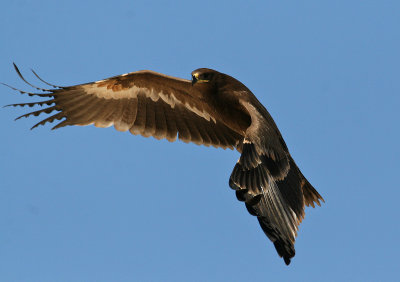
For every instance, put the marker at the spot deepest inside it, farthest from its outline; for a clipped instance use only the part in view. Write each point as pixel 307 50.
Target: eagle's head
pixel 203 75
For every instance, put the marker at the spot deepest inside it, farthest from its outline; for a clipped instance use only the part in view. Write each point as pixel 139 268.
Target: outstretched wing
pixel 269 182
pixel 143 102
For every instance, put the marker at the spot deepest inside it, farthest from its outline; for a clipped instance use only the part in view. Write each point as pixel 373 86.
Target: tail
pixel 311 196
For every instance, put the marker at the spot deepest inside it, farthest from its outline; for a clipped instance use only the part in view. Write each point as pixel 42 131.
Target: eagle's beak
pixel 194 79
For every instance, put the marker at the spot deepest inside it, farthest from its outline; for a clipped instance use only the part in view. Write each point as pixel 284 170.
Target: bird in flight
pixel 211 109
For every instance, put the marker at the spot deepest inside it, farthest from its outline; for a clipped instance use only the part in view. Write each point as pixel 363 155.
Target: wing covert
pixel 145 103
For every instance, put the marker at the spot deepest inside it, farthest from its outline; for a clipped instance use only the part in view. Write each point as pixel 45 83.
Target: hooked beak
pixel 194 79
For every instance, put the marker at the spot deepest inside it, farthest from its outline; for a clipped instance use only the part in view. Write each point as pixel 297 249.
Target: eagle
pixel 211 109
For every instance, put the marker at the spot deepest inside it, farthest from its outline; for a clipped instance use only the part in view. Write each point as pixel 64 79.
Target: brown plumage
pixel 212 109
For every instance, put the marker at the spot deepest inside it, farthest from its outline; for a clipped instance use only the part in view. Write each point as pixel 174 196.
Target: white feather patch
pixel 133 91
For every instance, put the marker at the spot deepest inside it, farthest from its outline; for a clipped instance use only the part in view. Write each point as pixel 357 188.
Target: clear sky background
pixel 90 204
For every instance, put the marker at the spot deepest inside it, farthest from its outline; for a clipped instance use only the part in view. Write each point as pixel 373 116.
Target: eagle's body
pixel 212 109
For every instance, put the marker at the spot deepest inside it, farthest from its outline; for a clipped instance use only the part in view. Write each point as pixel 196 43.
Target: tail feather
pixel 311 195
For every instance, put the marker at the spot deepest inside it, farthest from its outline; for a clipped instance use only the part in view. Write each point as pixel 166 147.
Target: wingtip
pixel 287 260
pixel 16 68
pixel 17 118
pixel 5 84
pixel 42 80
pixel 36 125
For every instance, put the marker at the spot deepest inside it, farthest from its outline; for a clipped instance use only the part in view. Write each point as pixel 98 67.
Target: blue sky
pixel 89 204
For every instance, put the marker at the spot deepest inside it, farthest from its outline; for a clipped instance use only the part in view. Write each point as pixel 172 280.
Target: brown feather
pixel 140 121
pixel 170 119
pixel 150 125
pixel 160 121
